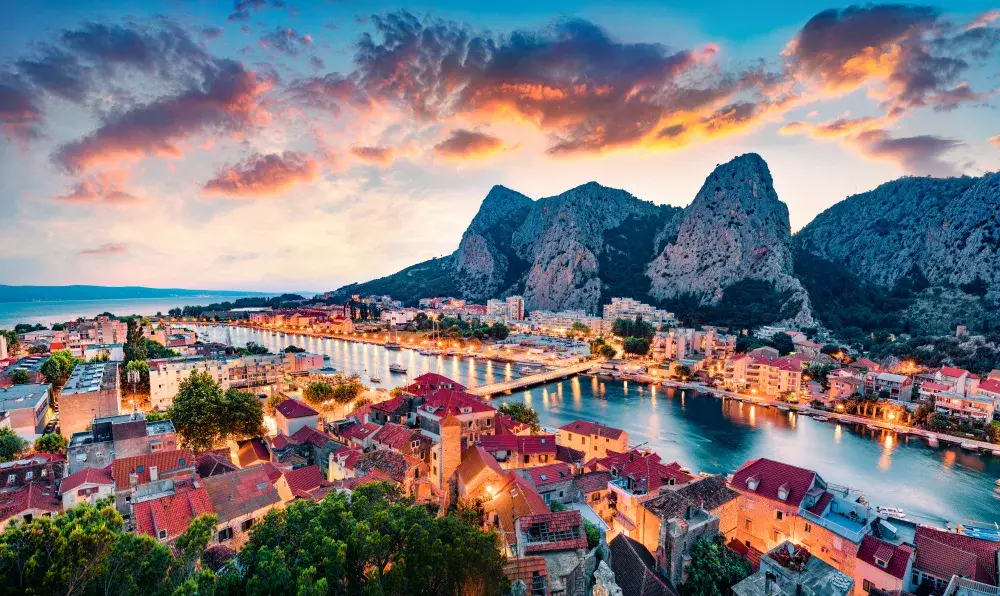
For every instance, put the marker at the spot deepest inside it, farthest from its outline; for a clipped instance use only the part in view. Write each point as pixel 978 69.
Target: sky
pixel 284 145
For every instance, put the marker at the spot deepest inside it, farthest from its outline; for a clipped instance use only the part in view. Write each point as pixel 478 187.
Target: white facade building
pixel 627 308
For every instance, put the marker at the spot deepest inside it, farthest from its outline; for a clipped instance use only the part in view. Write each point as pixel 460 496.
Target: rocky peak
pixel 735 229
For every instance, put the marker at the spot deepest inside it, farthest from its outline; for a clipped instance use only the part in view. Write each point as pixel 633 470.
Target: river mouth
pixel 933 485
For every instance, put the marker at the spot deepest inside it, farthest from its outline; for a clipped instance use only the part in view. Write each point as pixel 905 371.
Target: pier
pixel 530 380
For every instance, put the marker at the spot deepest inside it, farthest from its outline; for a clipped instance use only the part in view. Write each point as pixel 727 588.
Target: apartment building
pixel 627 308
pixel 763 374
pixel 92 391
pixel 24 407
pixel 238 372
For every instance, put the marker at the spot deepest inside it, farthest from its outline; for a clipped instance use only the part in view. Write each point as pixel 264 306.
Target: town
pixel 178 434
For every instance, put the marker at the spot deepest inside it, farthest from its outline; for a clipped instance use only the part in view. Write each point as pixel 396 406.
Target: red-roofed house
pixel 89 485
pixel 291 415
pixel 479 475
pixel 430 382
pixel 990 389
pixel 240 499
pixel 35 499
pixel 883 565
pixel 636 477
pixel 131 473
pixel 941 555
pixel 475 416
pixel 358 434
pixel 403 439
pixel 530 570
pixel 301 483
pixel 785 502
pixel 593 438
pixel 957 379
pixel 560 539
pixel 553 482
pixel 521 451
pixel 343 462
pixel 168 517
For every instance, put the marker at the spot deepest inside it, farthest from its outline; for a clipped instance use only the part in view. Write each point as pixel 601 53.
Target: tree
pixel 636 345
pixel 580 328
pixel 293 350
pixel 50 443
pixel 11 445
pixel 499 331
pixel 607 351
pixel 633 328
pixel 135 341
pixel 683 371
pixel 829 349
pixel 12 340
pixel 19 377
pixel 714 569
pixel 345 393
pixel 255 349
pixel 521 412
pixel 783 343
pixel 59 367
pixel 373 542
pixel 156 350
pixel 205 416
pixel 318 392
pixel 28 328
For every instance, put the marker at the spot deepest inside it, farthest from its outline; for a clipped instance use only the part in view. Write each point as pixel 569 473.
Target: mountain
pixel 735 230
pixel 926 251
pixel 83 292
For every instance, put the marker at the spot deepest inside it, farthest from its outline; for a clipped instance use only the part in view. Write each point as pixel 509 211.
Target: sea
pixel 60 311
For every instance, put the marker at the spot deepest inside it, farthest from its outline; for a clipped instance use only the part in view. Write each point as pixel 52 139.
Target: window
pixel 11 478
pixel 867 586
pixel 779 515
pixel 181 461
pixel 748 525
pixel 776 535
pixel 163 534
pixel 225 534
pixel 247 524
pixel 29 475
pixel 583 440
pixel 595 497
pixel 138 469
pixel 808 527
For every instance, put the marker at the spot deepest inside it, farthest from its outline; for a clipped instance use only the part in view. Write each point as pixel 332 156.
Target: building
pixel 553 482
pixel 635 569
pixel 240 499
pixel 302 361
pixel 546 321
pixel 627 308
pixel 990 389
pixel 92 391
pixel 941 555
pixel 291 415
pixel 559 538
pixel 139 476
pixel 899 387
pixel 109 352
pixel 446 455
pixel 791 569
pixel 166 375
pixel 593 438
pixel 34 499
pixel 125 435
pixel 515 308
pixel 958 380
pixel 883 565
pixel 167 517
pixel 783 502
pixel 762 374
pixel 476 418
pixel 24 408
pixel 521 451
pixel 89 485
pixel 3 347
pixel 970 407
pixel 32 365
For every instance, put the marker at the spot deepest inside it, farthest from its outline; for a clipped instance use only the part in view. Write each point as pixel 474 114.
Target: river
pixel 704 433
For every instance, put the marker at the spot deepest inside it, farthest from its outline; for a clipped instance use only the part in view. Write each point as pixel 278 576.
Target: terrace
pixel 841 514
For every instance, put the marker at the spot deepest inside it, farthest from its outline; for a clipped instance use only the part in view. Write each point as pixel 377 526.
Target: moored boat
pixel 395 367
pixel 891 512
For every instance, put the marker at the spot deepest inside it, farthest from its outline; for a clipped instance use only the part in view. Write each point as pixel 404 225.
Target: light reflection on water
pixel 711 435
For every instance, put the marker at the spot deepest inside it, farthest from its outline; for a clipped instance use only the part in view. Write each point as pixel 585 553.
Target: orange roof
pixel 165 462
pixel 171 514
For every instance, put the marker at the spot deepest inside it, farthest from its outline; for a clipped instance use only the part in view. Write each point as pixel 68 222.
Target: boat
pixel 783 407
pixel 891 512
pixel 395 367
pixel 821 418
pixel 375 377
pixel 391 345
pixel 983 532
pixel 528 370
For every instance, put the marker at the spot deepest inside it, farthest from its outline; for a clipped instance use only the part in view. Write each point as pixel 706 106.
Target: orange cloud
pixel 374 154
pixel 104 250
pixel 102 187
pixel 464 144
pixel 263 175
pixel 996 141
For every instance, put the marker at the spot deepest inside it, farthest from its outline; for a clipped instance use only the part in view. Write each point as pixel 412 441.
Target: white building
pixel 166 375
pixel 627 308
pixel 114 352
pixel 562 321
pixel 3 347
pixel 496 308
pixel 515 308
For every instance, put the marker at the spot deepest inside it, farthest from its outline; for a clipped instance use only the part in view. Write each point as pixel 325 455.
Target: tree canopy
pixel 59 367
pixel 633 328
pixel 714 569
pixel 636 345
pixel 50 443
pixel 205 416
pixel 11 445
pixel 373 542
pixel 521 412
pixel 19 377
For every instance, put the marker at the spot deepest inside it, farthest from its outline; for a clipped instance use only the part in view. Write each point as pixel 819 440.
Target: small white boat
pixel 891 512
pixel 395 367
pixel 391 345
pixel 783 407
pixel 985 532
pixel 821 418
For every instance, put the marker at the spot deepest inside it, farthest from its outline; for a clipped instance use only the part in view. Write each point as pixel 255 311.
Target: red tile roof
pixel 252 451
pixel 395 436
pixel 772 475
pixel 635 569
pixel 359 432
pixel 520 443
pixel 99 476
pixel 527 569
pixel 991 385
pixel 375 475
pixel 390 406
pixel 505 425
pixel 545 532
pixel 430 382
pixel 593 481
pixel 943 554
pixel 747 552
pixel 894 557
pixel 445 401
pixel 645 470
pixel 550 474
pixel 172 513
pixel 348 456
pixel 302 481
pixel 293 408
pixel 820 507
pixel 952 371
pixel 240 493
pixel 932 386
pixel 165 462
pixel 32 496
pixel 586 427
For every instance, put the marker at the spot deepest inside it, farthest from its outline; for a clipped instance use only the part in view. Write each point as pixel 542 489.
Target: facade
pixel 25 406
pixel 593 439
pixel 941 555
pixel 521 451
pixel 900 387
pixel 291 415
pixel 515 308
pixel 562 321
pixel 553 482
pixel 627 308
pixel 970 407
pixel 86 486
pixel 883 565
pixel 92 391
pixel 125 435
pixel 240 499
pixel 762 374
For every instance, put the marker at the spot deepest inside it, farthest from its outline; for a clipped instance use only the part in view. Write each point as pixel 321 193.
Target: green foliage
pixel 28 328
pixel 830 349
pixel 746 304
pixel 248 302
pixel 20 377
pixel 599 347
pixel 87 550
pixel 628 249
pixel 318 392
pixel 683 371
pixel 155 350
pixel 499 331
pixel 580 328
pixel 50 443
pixel 205 416
pixel 294 350
pixel 251 349
pixel 783 343
pixel 157 416
pixel 993 432
pixel 435 277
pixel 593 534
pixel 976 287
pixel 11 445
pixel 633 328
pixel 59 367
pixel 521 412
pixel 636 345
pixel 58 327
pixel 12 340
pixel 138 369
pixel 135 342
pixel 714 569
pixel 374 542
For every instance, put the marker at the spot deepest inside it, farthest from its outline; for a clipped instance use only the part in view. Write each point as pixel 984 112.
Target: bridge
pixel 530 380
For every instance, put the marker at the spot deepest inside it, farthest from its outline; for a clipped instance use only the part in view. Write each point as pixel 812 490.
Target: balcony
pixel 960 586
pixel 842 525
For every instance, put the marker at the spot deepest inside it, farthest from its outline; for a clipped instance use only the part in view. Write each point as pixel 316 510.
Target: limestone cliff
pixel 736 229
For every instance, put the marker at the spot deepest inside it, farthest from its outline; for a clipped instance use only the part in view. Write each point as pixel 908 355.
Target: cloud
pixel 996 141
pixel 102 187
pixel 262 175
pixel 104 250
pixel 285 40
pixel 226 100
pixel 244 9
pixel 211 33
pixel 572 80
pixel 19 114
pixel 374 154
pixel 468 144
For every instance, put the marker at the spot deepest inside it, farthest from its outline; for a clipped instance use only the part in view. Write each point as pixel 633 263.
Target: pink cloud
pixel 104 250
pixel 263 175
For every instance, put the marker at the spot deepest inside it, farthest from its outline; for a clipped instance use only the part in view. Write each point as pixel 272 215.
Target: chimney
pixel 133 479
pixel 769 578
pixel 153 474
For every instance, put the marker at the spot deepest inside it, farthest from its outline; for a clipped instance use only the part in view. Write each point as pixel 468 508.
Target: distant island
pixel 81 292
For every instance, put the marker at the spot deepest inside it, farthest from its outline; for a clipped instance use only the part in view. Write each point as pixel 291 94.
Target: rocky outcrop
pixel 944 229
pixel 604 581
pixel 735 229
pixel 485 265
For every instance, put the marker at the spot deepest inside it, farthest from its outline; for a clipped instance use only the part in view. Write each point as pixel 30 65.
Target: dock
pixel 541 378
